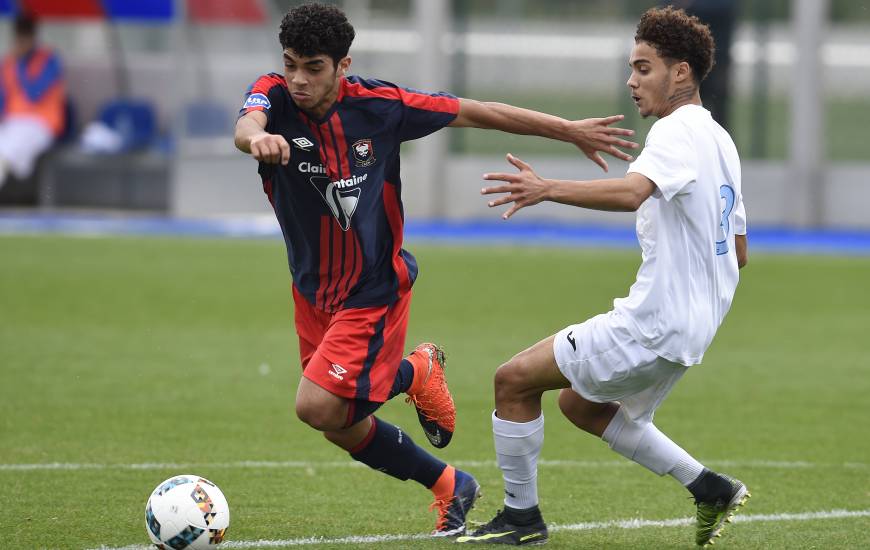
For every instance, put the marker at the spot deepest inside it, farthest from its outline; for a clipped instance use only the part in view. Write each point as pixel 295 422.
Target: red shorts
pixel 353 353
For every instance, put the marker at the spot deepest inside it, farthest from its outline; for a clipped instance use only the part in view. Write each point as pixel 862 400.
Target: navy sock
pixel 404 377
pixel 361 408
pixel 390 450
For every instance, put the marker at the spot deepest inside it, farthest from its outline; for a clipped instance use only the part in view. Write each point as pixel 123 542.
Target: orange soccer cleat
pixel 430 395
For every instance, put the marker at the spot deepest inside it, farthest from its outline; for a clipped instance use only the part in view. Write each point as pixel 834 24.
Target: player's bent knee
pixel 511 380
pixel 319 416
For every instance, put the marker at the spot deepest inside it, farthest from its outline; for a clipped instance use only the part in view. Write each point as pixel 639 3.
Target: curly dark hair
pixel 315 29
pixel 679 36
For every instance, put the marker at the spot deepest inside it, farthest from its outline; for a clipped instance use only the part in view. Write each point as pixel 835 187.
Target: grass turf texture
pixel 121 351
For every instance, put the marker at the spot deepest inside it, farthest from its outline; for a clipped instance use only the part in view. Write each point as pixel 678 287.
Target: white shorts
pixel 22 140
pixel 604 364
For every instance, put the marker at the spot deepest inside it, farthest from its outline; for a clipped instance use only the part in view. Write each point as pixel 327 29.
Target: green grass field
pixel 125 361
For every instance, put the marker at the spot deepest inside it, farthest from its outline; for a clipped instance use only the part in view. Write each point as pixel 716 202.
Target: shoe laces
pixel 431 402
pixel 443 506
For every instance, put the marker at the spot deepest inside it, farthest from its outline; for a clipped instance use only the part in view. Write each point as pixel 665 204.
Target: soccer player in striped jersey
pixel 328 146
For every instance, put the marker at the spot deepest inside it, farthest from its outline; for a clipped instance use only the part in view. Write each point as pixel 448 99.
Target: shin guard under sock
pixel 388 449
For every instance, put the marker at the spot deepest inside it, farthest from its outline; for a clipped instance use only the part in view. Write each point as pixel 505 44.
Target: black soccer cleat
pixel 715 510
pixel 507 528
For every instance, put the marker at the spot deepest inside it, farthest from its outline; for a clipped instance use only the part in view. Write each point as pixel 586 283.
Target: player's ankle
pixel 709 486
pixel 420 364
pixel 524 516
pixel 444 486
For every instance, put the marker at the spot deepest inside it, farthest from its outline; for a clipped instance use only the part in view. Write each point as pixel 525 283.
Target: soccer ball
pixel 187 512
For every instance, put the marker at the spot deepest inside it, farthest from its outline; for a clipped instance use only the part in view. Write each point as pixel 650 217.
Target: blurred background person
pixel 32 97
pixel 720 16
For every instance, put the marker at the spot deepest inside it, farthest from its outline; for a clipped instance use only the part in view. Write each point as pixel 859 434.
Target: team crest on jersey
pixel 363 152
pixel 257 100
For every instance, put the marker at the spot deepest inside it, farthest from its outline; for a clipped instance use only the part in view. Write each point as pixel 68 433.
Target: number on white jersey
pixel 727 194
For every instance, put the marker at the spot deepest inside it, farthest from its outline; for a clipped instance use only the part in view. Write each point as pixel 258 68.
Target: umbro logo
pixel 336 371
pixel 571 340
pixel 303 143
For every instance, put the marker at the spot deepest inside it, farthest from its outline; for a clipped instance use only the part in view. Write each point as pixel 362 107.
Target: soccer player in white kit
pixel 614 370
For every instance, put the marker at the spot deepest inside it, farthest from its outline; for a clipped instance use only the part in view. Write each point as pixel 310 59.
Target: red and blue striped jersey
pixel 339 200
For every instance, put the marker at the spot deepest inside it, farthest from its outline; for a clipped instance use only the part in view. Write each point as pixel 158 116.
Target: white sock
pixel 643 443
pixel 687 470
pixel 517 446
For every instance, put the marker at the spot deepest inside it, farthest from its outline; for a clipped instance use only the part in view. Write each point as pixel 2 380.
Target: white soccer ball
pixel 187 512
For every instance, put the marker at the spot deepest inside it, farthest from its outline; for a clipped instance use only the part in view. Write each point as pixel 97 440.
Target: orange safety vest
pixel 49 108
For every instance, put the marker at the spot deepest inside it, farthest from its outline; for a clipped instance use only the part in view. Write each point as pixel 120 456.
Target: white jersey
pixel 686 232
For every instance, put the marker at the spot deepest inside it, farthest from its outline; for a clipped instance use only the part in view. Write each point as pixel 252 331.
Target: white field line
pixel 312 465
pixel 586 526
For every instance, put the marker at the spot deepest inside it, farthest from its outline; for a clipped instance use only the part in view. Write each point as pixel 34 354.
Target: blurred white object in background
pixel 98 137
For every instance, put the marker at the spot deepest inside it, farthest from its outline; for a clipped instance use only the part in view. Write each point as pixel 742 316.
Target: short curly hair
pixel 314 29
pixel 679 36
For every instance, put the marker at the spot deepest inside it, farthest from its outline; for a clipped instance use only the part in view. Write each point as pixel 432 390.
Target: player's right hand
pixel 270 148
pixel 524 188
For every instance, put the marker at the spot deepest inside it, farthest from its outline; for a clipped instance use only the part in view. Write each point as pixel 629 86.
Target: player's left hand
pixel 595 136
pixel 525 188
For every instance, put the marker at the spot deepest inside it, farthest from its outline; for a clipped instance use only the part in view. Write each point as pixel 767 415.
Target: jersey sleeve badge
pixel 257 100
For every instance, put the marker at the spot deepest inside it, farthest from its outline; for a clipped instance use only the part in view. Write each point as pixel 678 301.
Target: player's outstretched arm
pixel 251 137
pixel 526 188
pixel 592 135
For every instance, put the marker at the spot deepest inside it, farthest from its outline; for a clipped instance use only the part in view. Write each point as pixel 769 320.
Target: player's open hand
pixel 524 188
pixel 596 135
pixel 270 148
